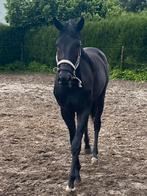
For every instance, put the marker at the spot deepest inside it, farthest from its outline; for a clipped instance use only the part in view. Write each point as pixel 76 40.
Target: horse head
pixel 68 47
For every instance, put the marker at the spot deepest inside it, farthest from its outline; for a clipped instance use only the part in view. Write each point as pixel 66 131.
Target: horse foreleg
pixel 76 147
pixel 69 118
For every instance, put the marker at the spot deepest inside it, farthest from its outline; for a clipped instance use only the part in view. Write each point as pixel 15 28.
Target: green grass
pixel 140 74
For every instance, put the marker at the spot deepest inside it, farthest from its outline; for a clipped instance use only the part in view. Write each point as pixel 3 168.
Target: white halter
pixel 72 65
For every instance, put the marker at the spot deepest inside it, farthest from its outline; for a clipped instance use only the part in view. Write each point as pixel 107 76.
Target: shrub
pixel 16 66
pixel 37 67
pixel 129 74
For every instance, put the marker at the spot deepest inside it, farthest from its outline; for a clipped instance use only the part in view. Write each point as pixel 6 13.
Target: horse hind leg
pixel 86 140
pixel 96 116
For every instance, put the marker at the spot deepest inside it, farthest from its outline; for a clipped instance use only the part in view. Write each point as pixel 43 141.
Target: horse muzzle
pixel 65 78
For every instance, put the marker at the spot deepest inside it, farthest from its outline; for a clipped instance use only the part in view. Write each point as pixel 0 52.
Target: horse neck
pixel 83 61
pixel 85 57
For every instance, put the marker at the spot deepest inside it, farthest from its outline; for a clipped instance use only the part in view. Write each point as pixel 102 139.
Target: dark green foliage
pixel 110 35
pixel 10 42
pixel 40 45
pixel 25 13
pixel 33 13
pixel 16 66
pixel 134 5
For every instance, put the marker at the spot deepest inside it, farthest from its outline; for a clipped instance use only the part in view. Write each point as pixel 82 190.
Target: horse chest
pixel 74 98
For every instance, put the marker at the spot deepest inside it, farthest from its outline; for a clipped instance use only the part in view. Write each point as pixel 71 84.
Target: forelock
pixel 70 27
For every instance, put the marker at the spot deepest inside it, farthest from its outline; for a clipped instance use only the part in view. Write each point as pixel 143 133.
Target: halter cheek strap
pixel 72 65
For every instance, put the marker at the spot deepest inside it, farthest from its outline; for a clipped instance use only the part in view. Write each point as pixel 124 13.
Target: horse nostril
pixel 64 78
pixel 61 79
pixel 69 76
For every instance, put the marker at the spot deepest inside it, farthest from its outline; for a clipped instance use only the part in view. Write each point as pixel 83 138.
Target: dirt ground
pixel 34 144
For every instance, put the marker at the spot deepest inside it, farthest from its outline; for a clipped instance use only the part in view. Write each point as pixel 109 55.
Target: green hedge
pixel 128 31
pixel 40 45
pixel 10 42
pixel 109 35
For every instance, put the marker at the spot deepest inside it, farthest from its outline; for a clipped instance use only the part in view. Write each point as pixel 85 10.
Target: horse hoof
pixel 88 151
pixel 78 180
pixel 69 190
pixel 94 160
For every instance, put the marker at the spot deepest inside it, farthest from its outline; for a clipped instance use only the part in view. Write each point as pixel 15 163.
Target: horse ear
pixel 80 24
pixel 58 24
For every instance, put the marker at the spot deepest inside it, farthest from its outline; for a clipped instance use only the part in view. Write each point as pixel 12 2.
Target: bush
pixel 13 67
pixel 128 74
pixel 37 67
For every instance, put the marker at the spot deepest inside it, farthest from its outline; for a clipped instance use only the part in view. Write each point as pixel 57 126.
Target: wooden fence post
pixel 122 57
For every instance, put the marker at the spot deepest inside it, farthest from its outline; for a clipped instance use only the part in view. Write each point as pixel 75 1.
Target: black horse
pixel 80 87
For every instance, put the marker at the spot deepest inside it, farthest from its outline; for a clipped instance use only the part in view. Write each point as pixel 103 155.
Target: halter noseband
pixel 74 66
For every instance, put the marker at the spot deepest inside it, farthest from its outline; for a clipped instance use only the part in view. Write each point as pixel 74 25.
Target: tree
pixel 25 14
pixel 134 5
pixel 30 13
pixel 113 8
